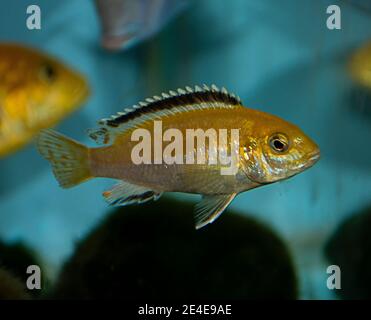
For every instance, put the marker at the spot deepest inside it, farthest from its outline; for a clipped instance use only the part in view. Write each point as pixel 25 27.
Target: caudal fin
pixel 68 158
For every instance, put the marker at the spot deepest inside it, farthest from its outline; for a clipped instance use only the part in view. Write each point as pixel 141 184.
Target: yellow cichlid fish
pixel 170 144
pixel 36 92
pixel 360 66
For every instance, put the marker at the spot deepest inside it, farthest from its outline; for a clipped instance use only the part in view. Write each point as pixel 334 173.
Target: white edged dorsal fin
pixel 164 105
pixel 125 193
pixel 211 207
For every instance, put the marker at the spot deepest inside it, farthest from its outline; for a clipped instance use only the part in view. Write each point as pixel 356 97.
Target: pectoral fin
pixel 211 207
pixel 125 193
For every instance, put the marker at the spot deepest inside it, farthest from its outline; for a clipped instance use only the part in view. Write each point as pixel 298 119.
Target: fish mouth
pixel 313 158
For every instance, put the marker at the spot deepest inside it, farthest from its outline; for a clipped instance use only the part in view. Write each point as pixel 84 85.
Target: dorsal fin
pixel 182 100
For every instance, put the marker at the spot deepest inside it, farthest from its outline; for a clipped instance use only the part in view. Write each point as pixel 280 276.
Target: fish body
pixel 179 176
pixel 36 91
pixel 360 65
pixel 126 22
pixel 182 141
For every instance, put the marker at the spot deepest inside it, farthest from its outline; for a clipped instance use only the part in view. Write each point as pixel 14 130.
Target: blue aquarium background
pixel 278 56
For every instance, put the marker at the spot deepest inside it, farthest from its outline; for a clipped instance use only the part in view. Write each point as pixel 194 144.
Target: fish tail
pixel 68 158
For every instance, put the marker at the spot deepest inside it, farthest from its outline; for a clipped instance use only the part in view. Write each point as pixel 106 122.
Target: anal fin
pixel 125 193
pixel 211 207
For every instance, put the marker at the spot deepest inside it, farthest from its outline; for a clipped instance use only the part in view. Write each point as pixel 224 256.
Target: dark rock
pixel 15 258
pixel 153 251
pixel 349 248
pixel 11 288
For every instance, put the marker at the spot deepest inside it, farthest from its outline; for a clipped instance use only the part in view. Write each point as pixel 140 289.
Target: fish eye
pixel 279 143
pixel 48 72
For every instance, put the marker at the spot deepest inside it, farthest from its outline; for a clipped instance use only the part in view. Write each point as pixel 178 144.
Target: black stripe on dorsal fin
pixel 180 98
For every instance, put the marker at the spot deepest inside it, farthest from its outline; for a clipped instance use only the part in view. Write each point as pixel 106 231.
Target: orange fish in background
pixel 36 92
pixel 268 149
pixel 360 65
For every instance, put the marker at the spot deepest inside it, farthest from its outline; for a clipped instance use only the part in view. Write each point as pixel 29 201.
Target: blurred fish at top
pixel 125 23
pixel 36 92
pixel 360 66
